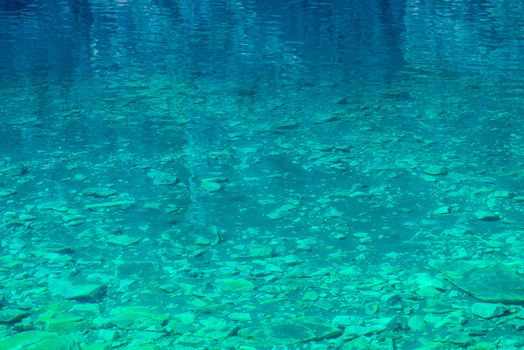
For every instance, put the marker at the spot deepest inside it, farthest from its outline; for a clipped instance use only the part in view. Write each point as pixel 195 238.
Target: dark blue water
pixel 261 174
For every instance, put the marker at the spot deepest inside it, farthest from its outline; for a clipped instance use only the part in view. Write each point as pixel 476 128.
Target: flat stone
pixel 343 321
pixel 293 260
pixel 436 170
pixel 460 340
pixel 73 219
pixel 260 251
pixel 59 206
pixel 488 310
pixel 101 192
pixel 39 340
pixel 23 120
pixel 310 296
pixel 107 205
pixel 68 290
pixel 216 329
pixel 486 281
pixel 287 125
pixel 5 192
pixel 282 211
pixel 240 316
pixel 123 240
pixel 289 332
pixel 134 317
pixel 407 163
pixel 457 231
pixel 79 177
pixel 8 316
pixel 210 185
pixel 162 178
pixel 24 339
pixel 501 194
pixel 428 286
pixel 65 323
pixel 342 101
pixel 26 217
pixel 235 284
pixel 484 215
pixel 184 317
pixel 340 236
pixel 13 170
pixel 416 323
pixel 442 210
pixel 299 330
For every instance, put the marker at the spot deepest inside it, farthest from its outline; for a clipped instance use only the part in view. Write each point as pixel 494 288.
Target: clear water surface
pixel 261 174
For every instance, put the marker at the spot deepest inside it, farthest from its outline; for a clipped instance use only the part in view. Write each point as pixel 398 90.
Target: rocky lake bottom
pixel 213 214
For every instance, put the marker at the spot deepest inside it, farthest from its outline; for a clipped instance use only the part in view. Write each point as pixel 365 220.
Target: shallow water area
pixel 261 175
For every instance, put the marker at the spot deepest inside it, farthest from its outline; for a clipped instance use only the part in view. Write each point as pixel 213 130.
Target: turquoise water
pixel 261 174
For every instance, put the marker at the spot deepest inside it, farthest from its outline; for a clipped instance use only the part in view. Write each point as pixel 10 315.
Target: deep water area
pixel 261 174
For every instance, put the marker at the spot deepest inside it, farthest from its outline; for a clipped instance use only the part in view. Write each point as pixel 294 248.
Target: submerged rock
pixel 39 340
pixel 5 192
pixel 211 185
pixel 13 170
pixel 483 215
pixel 101 192
pixel 298 330
pixel 436 170
pixel 282 211
pixel 235 284
pixel 133 317
pixel 486 281
pixel 8 316
pixel 66 323
pixel 488 310
pixel 162 178
pixel 68 290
